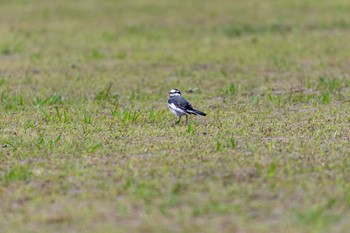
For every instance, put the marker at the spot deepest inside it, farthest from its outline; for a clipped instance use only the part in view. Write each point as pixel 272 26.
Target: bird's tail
pixel 196 112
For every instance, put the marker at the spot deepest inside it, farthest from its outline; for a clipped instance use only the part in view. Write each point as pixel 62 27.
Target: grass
pixel 88 145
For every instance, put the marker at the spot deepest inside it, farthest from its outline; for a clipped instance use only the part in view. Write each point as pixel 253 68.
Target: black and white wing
pixel 186 106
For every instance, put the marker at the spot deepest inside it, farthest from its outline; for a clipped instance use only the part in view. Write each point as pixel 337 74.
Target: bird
pixel 180 106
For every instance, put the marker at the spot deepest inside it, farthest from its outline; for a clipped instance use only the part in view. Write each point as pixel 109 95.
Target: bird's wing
pixel 183 104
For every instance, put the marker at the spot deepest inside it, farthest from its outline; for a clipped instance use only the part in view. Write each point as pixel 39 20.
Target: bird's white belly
pixel 177 111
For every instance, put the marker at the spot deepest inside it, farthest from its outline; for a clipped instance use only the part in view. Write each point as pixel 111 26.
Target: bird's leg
pixel 178 120
pixel 186 119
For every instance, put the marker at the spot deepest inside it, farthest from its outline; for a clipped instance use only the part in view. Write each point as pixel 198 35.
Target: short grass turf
pixel 88 144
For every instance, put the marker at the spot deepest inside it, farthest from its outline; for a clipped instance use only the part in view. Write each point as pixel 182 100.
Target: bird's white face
pixel 174 92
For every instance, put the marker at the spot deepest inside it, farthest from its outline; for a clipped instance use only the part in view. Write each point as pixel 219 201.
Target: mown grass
pixel 88 145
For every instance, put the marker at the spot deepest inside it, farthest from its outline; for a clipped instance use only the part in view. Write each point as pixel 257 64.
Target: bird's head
pixel 174 92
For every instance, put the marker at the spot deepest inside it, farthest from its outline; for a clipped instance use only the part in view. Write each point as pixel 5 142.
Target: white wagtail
pixel 180 106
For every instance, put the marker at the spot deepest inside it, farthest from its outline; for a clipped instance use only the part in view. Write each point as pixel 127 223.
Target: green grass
pixel 88 145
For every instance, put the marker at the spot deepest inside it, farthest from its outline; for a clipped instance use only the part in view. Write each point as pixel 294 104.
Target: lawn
pixel 89 145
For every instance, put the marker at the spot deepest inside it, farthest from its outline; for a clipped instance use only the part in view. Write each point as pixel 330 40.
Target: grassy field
pixel 88 144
